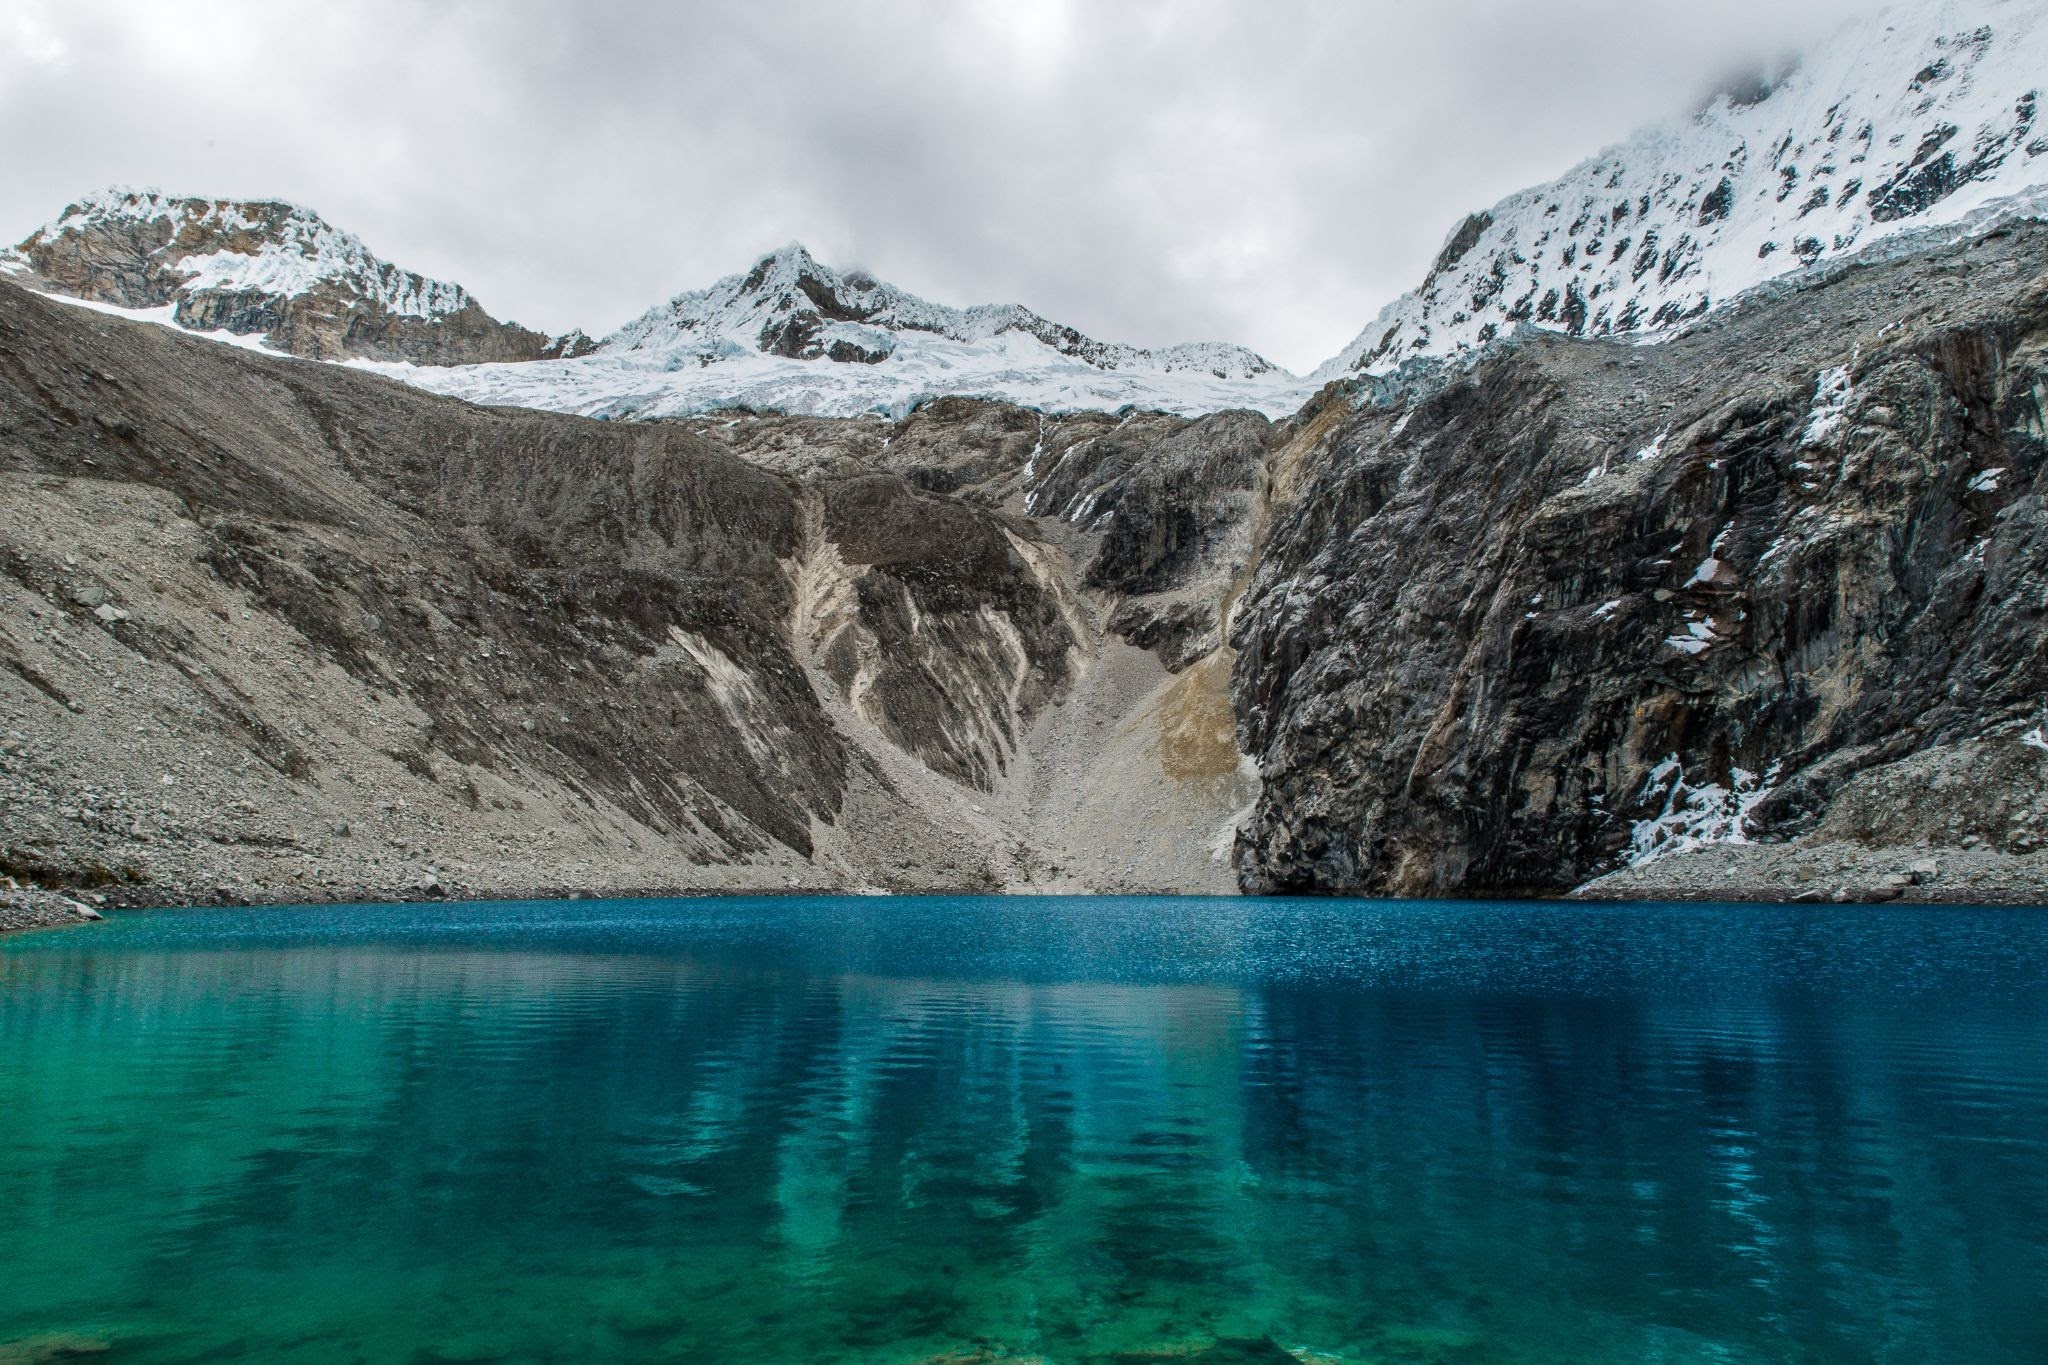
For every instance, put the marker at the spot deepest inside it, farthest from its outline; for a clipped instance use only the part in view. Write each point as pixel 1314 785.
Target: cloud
pixel 1269 172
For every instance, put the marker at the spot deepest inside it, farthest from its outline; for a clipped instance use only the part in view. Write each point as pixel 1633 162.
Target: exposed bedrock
pixel 1586 603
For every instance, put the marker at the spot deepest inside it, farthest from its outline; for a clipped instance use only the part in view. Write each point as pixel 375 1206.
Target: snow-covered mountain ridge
pixel 789 334
pixel 1921 116
pixel 263 268
pixel 793 335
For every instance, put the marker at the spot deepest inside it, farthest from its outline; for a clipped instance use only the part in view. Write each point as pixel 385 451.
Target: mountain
pixel 787 335
pixel 267 624
pixel 1923 117
pixel 1757 611
pixel 267 269
pixel 793 335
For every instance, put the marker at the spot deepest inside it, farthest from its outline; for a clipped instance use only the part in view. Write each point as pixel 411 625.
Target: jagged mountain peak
pixel 789 304
pixel 268 268
pixel 1921 116
pixel 267 245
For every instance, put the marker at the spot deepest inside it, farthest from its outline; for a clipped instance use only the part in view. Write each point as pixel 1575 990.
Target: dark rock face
pixel 1172 502
pixel 1168 512
pixel 1179 631
pixel 338 303
pixel 956 641
pixel 1586 598
pixel 1462 241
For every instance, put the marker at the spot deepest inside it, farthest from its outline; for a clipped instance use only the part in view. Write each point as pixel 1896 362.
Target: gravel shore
pixel 34 908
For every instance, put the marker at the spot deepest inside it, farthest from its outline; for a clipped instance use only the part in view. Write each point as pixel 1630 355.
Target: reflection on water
pixel 973 1130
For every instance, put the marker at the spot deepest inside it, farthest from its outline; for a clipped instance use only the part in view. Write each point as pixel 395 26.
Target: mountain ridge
pixel 794 335
pixel 787 334
pixel 268 268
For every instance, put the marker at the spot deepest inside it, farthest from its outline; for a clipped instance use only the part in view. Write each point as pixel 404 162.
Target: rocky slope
pixel 1587 607
pixel 274 628
pixel 1921 117
pixel 264 269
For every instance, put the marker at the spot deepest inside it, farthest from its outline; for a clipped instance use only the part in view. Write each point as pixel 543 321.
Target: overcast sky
pixel 1265 172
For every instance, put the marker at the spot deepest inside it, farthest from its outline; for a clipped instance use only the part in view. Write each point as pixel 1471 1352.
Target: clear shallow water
pixel 970 1129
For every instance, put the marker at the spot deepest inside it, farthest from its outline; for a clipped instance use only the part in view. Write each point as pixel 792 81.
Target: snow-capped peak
pixel 789 304
pixel 1923 115
pixel 791 334
pixel 263 246
pixel 268 268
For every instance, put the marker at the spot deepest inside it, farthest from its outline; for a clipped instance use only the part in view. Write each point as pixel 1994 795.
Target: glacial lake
pixel 964 1130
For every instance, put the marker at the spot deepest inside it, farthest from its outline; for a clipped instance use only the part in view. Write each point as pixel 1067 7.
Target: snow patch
pixel 1699 637
pixel 1830 401
pixel 1696 816
pixel 1711 565
pixel 165 316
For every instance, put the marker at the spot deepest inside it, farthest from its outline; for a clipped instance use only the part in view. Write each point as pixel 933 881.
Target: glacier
pixel 793 335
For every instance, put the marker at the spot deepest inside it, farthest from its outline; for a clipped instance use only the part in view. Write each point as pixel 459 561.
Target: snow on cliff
pixel 1926 114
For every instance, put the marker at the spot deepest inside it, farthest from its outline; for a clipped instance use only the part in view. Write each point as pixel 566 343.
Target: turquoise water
pixel 972 1130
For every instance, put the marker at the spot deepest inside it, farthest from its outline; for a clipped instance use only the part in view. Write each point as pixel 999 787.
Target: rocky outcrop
pixel 1155 511
pixel 938 629
pixel 267 269
pixel 1584 604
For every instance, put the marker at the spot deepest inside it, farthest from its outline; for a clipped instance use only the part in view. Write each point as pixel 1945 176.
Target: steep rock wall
pixel 1587 601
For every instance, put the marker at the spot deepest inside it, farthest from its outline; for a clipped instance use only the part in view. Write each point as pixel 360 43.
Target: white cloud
pixel 1268 172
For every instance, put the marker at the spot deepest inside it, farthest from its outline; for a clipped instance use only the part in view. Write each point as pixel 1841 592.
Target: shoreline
pixel 1692 879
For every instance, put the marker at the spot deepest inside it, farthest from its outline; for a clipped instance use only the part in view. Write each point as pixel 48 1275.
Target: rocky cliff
pixel 1587 607
pixel 265 269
